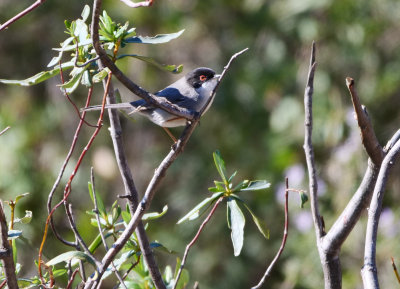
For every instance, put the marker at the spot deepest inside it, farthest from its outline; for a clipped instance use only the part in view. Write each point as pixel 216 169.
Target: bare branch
pixel 21 14
pixel 308 147
pixel 4 130
pixel 284 238
pixel 369 271
pixel 8 262
pixel 368 137
pixel 130 189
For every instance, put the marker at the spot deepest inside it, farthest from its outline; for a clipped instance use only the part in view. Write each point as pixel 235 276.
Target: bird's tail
pixel 124 105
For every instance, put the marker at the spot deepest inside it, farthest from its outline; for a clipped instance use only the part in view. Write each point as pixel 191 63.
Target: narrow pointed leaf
pixel 38 78
pixel 259 222
pixel 100 203
pixel 85 13
pixel 237 226
pixel 158 39
pixel 170 68
pixel 232 176
pixel 65 257
pixel 13 234
pixel 155 215
pixel 194 213
pixel 220 164
pixel 256 185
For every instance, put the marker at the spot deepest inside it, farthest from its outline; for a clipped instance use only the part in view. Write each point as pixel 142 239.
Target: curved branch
pixel 369 271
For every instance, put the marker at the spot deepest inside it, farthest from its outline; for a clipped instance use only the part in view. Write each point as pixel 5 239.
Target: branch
pixel 150 191
pixel 130 190
pixel 8 262
pixel 160 102
pixel 284 238
pixel 21 14
pixel 4 130
pixel 308 147
pixel 368 137
pixel 194 240
pixel 61 173
pixel 369 271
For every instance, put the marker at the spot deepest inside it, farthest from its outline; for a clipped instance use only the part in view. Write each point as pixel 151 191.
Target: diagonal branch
pixel 21 14
pixel 368 137
pixel 308 146
pixel 369 271
pixel 267 273
pixel 130 190
pixel 160 102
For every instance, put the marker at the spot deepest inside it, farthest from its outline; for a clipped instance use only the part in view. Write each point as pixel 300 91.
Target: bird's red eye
pixel 203 77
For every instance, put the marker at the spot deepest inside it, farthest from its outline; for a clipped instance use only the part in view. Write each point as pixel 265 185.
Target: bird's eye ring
pixel 203 77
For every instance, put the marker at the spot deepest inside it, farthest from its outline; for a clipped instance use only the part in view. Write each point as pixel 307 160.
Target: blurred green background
pixel 256 122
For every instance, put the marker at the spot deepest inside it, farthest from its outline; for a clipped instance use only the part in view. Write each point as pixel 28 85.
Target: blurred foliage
pixel 256 121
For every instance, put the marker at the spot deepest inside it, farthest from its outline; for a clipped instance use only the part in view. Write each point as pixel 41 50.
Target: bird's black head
pixel 200 75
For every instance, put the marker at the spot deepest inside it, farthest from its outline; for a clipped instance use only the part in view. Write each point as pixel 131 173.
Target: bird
pixel 192 92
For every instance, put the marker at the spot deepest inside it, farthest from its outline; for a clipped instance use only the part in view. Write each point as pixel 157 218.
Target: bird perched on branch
pixel 191 92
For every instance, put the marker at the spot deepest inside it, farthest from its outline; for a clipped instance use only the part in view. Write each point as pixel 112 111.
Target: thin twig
pixel 78 236
pixel 4 130
pixel 21 14
pixel 194 240
pixel 308 146
pixel 395 271
pixel 67 189
pixel 369 271
pixel 138 4
pixel 284 238
pixel 368 137
pixel 8 262
pixel 61 173
pixel 71 280
pixel 96 210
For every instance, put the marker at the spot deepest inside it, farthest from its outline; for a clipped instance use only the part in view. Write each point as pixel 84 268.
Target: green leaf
pixel 17 198
pixel 303 199
pixel 100 203
pixel 194 213
pixel 155 215
pixel 220 164
pixel 38 78
pixel 26 219
pixel 170 68
pixel 237 222
pixel 184 279
pixel 74 81
pixel 98 77
pixel 158 39
pixel 14 234
pixel 256 185
pixel 67 256
pixel 97 242
pixel 59 272
pixel 126 216
pixel 85 13
pixel 232 176
pixel 259 222
pixel 216 190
